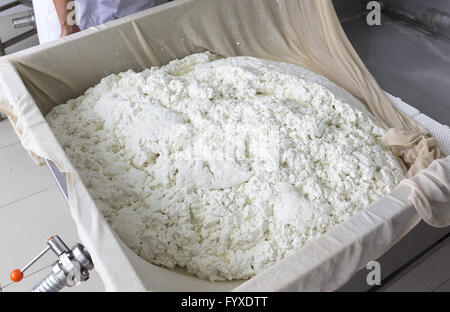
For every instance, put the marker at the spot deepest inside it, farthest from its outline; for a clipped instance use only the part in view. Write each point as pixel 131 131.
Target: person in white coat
pixel 54 18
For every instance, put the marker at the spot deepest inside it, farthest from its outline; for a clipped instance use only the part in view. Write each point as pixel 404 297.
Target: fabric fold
pixel 416 148
pixel 430 193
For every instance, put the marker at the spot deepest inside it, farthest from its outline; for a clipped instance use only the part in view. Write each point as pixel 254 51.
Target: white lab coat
pixel 91 13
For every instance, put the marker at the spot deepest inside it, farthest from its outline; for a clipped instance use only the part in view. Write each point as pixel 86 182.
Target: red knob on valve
pixel 16 276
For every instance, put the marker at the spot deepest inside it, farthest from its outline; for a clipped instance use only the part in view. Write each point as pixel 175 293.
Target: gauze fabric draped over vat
pixel 306 33
pixel 302 32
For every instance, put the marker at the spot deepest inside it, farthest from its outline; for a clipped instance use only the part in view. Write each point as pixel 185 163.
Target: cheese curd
pixel 223 166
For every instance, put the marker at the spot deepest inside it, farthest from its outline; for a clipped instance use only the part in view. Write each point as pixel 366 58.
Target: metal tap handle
pixel 71 267
pixel 17 275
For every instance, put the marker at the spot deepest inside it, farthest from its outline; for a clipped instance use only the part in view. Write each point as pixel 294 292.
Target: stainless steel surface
pixel 6 44
pixel 9 5
pixel 72 267
pixel 432 16
pixel 408 248
pixel 407 63
pixel 349 9
pixel 53 282
pixel 39 256
pixel 58 246
pixel 28 3
pixel 12 4
pixel 82 256
pixel 24 21
pixel 59 177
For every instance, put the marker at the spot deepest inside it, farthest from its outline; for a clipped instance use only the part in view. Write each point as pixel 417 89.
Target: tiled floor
pixel 431 272
pixel 32 209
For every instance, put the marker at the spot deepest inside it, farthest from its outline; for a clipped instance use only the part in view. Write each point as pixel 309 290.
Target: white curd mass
pixel 224 166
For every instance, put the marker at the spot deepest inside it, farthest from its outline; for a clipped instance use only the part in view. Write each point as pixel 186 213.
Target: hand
pixel 67 30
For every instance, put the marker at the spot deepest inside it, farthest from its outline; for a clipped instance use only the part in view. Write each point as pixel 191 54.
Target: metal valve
pixel 71 268
pixel 24 21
